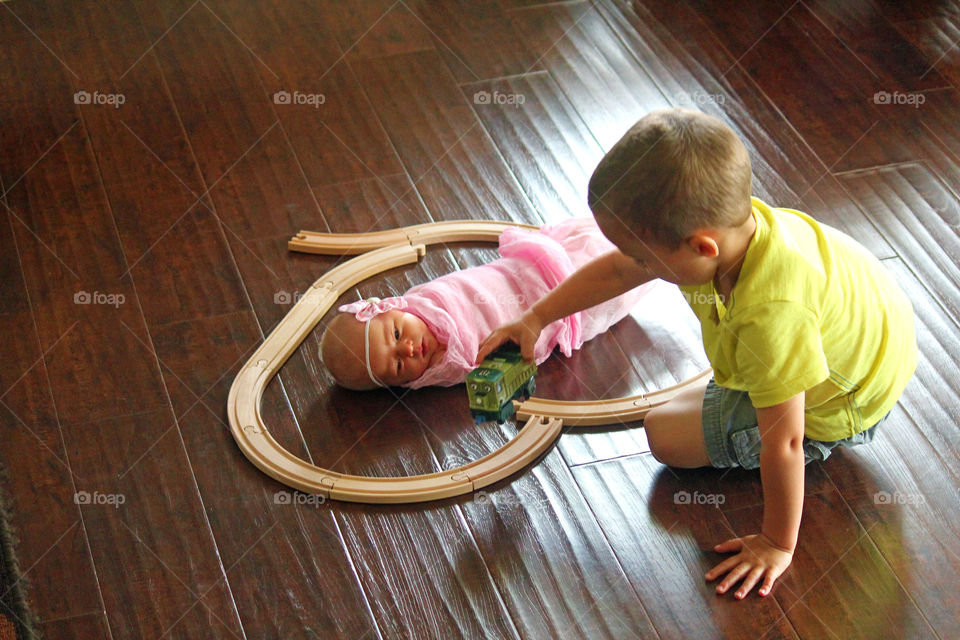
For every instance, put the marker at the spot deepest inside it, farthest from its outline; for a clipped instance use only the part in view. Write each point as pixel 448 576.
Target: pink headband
pixel 365 310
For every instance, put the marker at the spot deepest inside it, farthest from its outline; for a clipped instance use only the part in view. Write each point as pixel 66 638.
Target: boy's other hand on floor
pixel 758 558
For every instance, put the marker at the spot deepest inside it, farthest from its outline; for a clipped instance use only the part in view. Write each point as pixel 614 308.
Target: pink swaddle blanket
pixel 463 307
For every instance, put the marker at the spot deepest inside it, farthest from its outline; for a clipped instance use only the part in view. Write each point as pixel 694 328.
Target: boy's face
pixel 401 347
pixel 680 265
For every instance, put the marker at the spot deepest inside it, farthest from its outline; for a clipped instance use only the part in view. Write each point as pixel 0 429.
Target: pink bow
pixel 366 309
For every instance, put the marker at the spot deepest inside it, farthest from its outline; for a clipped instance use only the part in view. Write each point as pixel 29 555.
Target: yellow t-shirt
pixel 812 310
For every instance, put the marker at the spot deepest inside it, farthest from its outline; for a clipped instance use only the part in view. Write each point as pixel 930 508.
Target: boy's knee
pixel 674 437
pixel 655 423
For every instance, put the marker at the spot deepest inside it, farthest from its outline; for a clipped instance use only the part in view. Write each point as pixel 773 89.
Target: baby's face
pixel 401 347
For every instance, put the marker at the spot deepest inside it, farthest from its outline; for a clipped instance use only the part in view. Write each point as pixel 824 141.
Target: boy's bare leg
pixel 675 430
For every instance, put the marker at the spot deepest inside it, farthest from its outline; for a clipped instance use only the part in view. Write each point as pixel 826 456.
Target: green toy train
pixel 501 377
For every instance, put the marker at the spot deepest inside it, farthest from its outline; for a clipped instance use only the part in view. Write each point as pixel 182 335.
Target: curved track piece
pixel 598 412
pixel 381 251
pixel 427 233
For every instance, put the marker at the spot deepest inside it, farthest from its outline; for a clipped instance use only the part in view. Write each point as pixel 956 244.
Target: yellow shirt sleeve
pixel 778 351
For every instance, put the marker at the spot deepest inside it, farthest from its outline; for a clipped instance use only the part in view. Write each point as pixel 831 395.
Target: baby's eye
pixel 399 366
pixel 396 333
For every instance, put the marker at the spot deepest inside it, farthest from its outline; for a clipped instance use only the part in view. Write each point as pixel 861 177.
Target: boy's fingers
pixel 755 574
pixel 484 348
pixel 526 350
pixel 723 567
pixel 768 583
pixel 733 544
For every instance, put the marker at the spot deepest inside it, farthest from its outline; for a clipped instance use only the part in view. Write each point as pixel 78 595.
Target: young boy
pixel 811 341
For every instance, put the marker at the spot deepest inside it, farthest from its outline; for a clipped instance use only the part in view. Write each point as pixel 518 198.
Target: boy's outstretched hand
pixel 524 331
pixel 758 558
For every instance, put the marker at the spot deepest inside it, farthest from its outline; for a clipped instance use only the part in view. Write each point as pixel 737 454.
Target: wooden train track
pixel 378 252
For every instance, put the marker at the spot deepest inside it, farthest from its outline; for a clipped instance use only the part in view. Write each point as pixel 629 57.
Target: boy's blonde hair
pixel 674 171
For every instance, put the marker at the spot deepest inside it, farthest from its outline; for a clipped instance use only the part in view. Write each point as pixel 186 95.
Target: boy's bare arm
pixel 782 470
pixel 768 554
pixel 597 281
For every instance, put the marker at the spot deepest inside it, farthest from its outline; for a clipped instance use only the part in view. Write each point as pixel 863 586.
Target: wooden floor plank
pixel 836 571
pixel 306 582
pixel 542 139
pixel 376 28
pixel 831 87
pixel 934 133
pixel 423 573
pixel 662 525
pixel 605 86
pixel 446 152
pixel 552 565
pixel 898 11
pixel 92 626
pixel 909 513
pixel 392 200
pixel 130 476
pixel 328 119
pixel 932 36
pixel 52 548
pixel 871 37
pixel 918 214
pixel 820 84
pixel 476 39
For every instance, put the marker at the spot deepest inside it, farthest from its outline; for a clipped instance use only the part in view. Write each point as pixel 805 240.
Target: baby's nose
pixel 407 348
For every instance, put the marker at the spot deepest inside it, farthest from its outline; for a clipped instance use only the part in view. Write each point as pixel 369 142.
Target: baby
pixel 431 334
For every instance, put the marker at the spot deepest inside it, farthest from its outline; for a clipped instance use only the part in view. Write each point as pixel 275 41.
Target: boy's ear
pixel 704 245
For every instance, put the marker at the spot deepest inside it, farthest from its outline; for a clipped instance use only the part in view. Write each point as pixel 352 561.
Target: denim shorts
pixel 733 439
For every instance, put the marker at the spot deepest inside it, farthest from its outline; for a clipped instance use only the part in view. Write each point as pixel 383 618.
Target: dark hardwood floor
pixel 149 183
